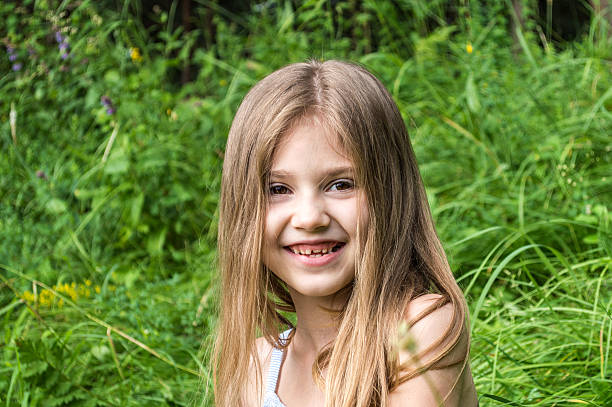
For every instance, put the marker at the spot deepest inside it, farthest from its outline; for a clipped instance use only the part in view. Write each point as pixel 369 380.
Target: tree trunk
pixel 601 8
pixel 517 23
pixel 186 20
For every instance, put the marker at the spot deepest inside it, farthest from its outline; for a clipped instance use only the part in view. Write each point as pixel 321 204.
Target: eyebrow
pixel 331 172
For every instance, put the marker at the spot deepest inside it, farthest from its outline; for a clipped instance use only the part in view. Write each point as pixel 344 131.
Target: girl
pixel 323 214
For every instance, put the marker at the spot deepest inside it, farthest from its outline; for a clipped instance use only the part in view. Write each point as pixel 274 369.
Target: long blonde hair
pixel 400 255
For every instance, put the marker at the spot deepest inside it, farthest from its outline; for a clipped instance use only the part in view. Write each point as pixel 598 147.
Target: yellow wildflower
pixel 28 296
pixel 47 298
pixel 172 114
pixel 469 48
pixel 135 55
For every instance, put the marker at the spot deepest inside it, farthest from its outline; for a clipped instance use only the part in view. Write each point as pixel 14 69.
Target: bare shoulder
pixel 264 349
pixel 449 382
pixel 430 318
pixel 424 303
pixel 256 376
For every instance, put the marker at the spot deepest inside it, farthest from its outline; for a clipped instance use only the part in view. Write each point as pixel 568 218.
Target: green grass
pixel 107 222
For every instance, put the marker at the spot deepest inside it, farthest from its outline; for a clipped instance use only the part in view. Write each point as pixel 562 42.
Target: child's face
pixel 313 211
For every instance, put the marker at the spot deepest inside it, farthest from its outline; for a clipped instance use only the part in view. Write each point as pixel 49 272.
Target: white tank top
pixel 271 398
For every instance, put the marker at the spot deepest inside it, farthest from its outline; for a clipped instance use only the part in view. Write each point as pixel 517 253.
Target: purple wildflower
pixel 65 55
pixel 63 46
pixel 11 53
pixel 108 104
pixel 41 174
pixel 17 66
pixel 58 37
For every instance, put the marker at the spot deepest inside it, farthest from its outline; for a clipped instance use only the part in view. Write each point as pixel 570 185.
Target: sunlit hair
pixel 399 258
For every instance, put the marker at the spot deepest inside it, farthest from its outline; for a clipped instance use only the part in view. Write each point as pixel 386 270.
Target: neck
pixel 317 322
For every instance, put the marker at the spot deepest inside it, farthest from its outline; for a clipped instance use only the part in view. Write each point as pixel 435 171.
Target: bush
pixel 110 175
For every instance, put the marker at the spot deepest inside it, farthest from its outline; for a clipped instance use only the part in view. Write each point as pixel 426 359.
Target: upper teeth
pixel 309 251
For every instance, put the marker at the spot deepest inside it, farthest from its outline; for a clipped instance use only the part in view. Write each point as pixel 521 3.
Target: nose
pixel 310 214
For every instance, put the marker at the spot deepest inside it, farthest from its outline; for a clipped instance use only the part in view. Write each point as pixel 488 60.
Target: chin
pixel 319 290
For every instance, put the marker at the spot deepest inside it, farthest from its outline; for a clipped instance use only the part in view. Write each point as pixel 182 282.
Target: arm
pixel 449 383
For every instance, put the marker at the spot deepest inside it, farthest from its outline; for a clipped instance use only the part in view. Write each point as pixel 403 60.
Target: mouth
pixel 315 250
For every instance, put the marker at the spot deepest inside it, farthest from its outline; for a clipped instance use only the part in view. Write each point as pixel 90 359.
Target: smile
pixel 319 254
pixel 315 250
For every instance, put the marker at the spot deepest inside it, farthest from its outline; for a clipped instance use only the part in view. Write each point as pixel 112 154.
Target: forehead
pixel 310 142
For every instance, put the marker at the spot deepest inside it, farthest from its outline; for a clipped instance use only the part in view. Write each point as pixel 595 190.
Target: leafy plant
pixel 110 172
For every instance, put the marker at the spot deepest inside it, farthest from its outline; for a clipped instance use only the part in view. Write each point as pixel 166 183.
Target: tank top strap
pixel 275 364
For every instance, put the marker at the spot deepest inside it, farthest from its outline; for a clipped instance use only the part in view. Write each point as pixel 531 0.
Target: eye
pixel 342 185
pixel 278 189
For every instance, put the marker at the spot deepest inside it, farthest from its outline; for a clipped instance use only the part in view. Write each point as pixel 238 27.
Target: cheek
pixel 272 230
pixel 271 226
pixel 268 237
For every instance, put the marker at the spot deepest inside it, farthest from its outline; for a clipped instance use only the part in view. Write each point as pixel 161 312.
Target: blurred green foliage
pixel 110 171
